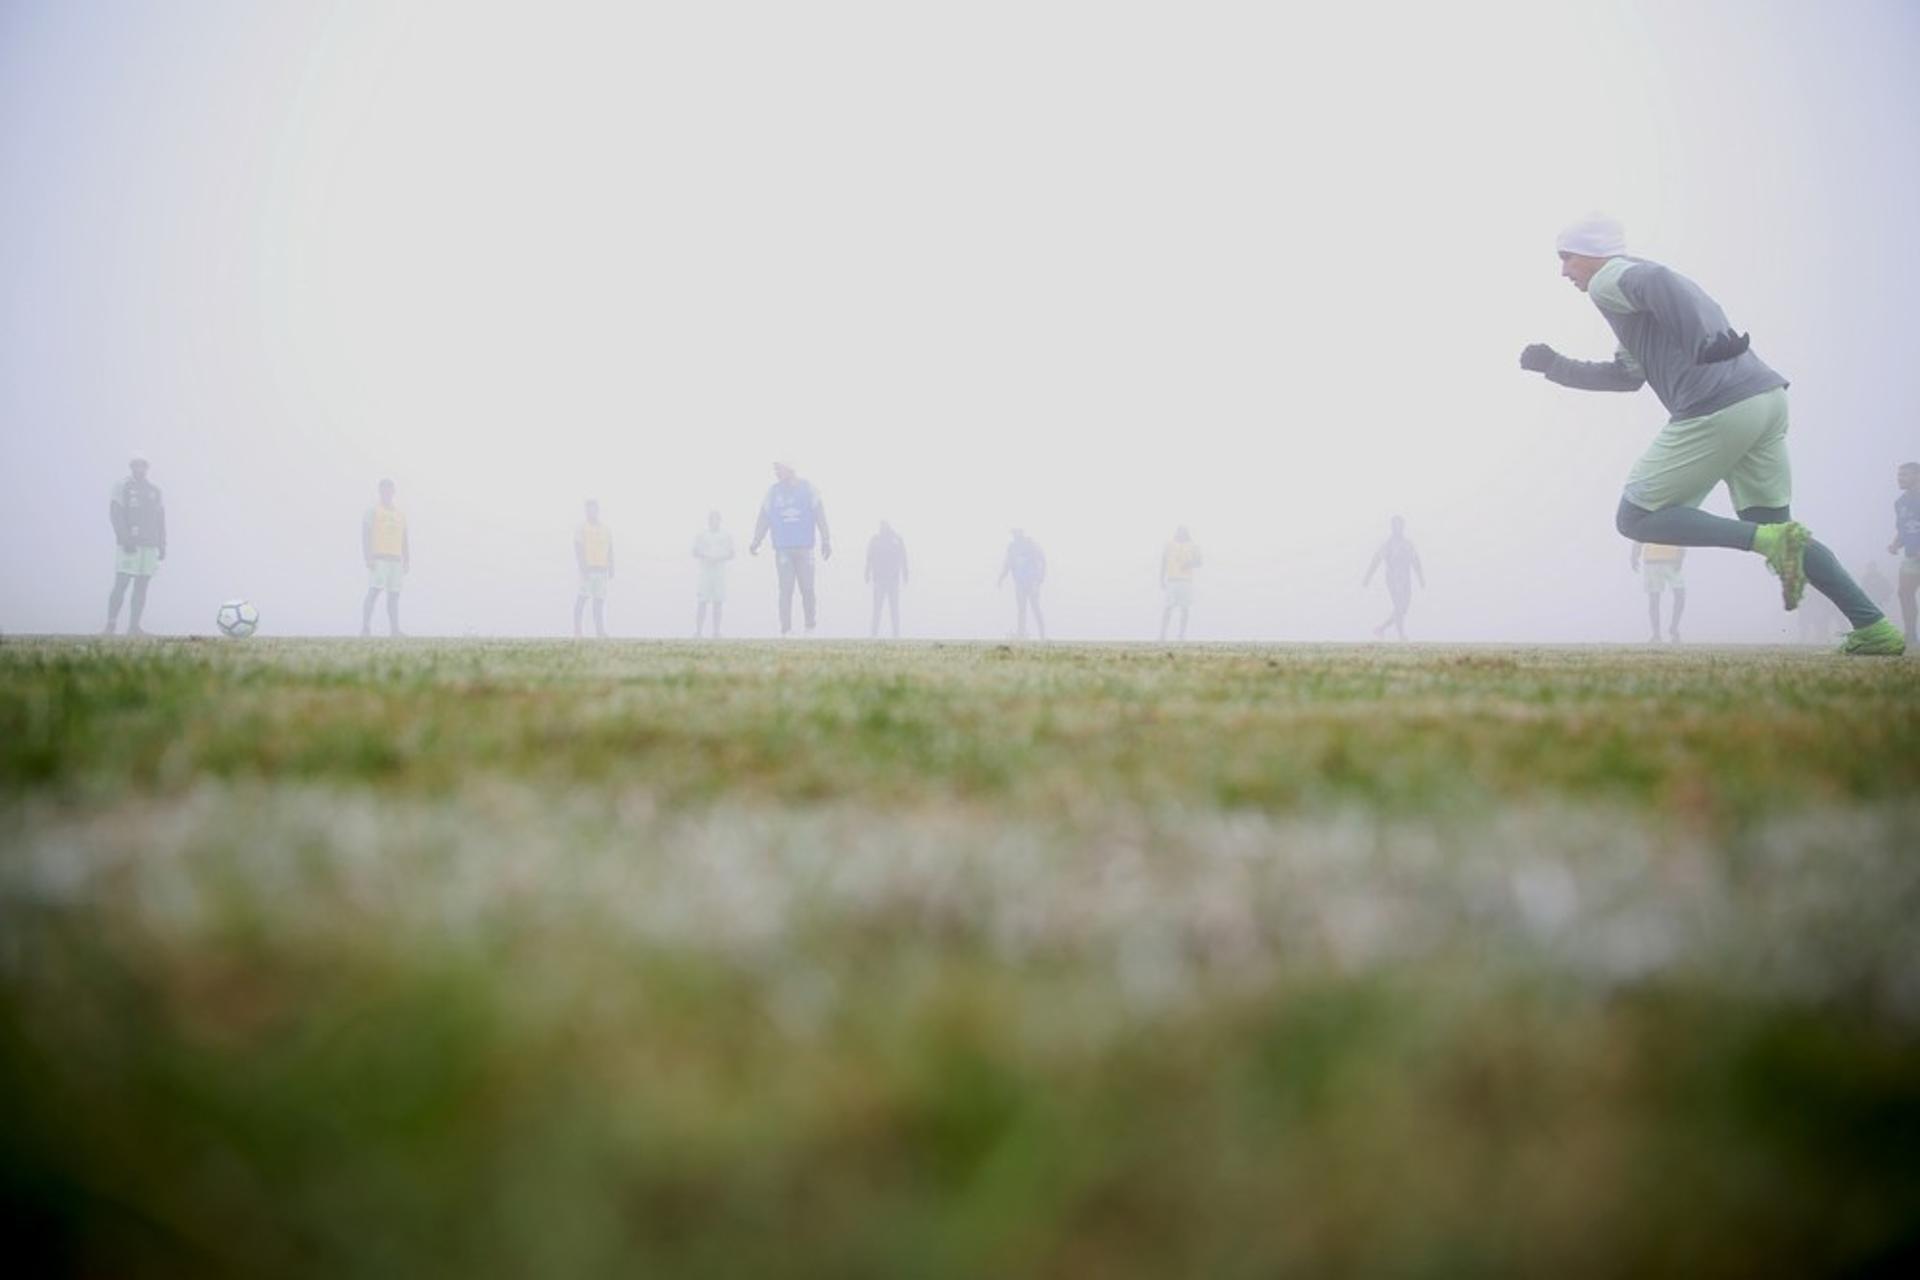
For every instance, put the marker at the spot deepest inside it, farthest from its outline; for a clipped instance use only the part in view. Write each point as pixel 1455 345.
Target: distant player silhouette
pixel 139 521
pixel 886 573
pixel 1402 564
pixel 1026 564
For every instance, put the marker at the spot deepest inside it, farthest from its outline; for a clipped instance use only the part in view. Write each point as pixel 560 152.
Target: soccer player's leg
pixel 579 607
pixel 138 605
pixel 1761 483
pixel 783 564
pixel 121 581
pixel 1910 595
pixel 803 570
pixel 1653 611
pixel 1673 619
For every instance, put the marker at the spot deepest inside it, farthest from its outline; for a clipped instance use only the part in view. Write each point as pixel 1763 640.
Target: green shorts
pixel 593 583
pixel 1909 567
pixel 141 562
pixel 1661 575
pixel 386 575
pixel 1744 444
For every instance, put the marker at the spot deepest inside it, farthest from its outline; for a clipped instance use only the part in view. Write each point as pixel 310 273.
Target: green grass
pixel 324 958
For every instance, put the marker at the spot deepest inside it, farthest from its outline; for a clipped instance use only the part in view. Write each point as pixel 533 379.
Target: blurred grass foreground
pixel 333 958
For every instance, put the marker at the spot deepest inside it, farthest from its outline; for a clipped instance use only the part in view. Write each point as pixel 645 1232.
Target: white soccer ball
pixel 238 618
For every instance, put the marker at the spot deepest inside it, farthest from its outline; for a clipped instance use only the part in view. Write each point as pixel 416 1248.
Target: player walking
pixel 1728 424
pixel 139 522
pixel 1403 567
pixel 1659 568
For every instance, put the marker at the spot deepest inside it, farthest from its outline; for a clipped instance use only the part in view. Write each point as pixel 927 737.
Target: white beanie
pixel 1595 236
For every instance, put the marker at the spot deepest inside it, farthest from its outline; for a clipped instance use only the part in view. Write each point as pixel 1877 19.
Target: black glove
pixel 1723 346
pixel 1537 358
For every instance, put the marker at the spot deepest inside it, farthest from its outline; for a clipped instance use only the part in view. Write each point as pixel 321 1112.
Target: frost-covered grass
pixel 555 959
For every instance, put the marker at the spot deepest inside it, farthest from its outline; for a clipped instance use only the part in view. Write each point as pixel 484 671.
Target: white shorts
pixel 141 562
pixel 593 583
pixel 1179 593
pixel 1661 575
pixel 386 575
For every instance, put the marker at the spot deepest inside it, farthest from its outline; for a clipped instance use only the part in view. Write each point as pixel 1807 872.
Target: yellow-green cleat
pixel 1877 639
pixel 1785 547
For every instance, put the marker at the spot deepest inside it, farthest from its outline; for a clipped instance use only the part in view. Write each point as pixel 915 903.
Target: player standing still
pixel 593 553
pixel 1906 540
pixel 389 554
pixel 139 520
pixel 1659 569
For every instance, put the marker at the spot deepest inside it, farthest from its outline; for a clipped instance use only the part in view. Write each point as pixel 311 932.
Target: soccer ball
pixel 238 618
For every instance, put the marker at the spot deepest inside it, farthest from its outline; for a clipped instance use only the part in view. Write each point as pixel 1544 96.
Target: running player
pixel 1728 424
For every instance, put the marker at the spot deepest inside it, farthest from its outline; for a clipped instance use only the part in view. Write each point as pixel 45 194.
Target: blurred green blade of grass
pixel 501 958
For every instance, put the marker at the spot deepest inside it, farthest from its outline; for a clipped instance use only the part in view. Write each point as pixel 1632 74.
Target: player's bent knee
pixel 1627 519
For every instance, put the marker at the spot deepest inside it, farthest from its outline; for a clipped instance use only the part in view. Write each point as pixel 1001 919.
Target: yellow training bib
pixel 596 545
pixel 389 533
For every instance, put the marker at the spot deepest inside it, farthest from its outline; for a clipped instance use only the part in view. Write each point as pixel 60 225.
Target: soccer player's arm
pixel 1893 547
pixel 609 555
pixel 761 525
pixel 366 537
pixel 1633 557
pixel 1418 571
pixel 871 548
pixel 117 517
pixel 1372 565
pixel 826 534
pixel 580 550
pixel 1006 567
pixel 1622 373
pixel 160 523
pixel 406 550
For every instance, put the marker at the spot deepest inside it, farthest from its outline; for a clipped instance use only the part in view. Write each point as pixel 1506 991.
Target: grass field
pixel 541 959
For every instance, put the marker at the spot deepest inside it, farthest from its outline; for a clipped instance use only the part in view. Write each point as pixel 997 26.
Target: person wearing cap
pixel 139 521
pixel 1178 559
pixel 1026 563
pixel 1906 541
pixel 389 554
pixel 593 553
pixel 1659 568
pixel 886 574
pixel 712 547
pixel 793 515
pixel 1728 424
pixel 1402 564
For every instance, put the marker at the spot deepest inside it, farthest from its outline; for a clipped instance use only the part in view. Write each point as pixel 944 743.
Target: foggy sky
pixel 1091 269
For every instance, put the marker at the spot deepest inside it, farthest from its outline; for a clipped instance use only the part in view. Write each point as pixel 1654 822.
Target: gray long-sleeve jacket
pixel 1662 319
